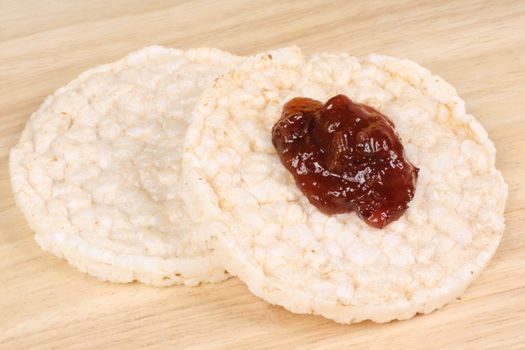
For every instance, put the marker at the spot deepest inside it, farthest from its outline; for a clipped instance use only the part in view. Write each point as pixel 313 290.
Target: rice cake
pixel 97 169
pixel 289 253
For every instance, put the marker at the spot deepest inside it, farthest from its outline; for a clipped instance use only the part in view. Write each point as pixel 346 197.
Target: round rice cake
pixel 97 169
pixel 289 253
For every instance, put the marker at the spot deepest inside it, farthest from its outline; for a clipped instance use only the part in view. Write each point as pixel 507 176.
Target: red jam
pixel 345 157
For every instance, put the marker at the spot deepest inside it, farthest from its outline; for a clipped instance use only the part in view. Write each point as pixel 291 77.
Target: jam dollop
pixel 345 156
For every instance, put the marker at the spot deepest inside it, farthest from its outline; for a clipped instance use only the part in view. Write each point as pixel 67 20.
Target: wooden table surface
pixel 478 46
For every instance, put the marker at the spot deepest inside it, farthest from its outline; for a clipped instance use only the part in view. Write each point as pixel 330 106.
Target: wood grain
pixel 478 46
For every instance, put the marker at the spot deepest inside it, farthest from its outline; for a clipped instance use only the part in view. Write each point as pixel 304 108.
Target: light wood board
pixel 478 46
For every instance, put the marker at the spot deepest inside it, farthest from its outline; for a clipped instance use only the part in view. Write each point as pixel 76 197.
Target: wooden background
pixel 478 46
